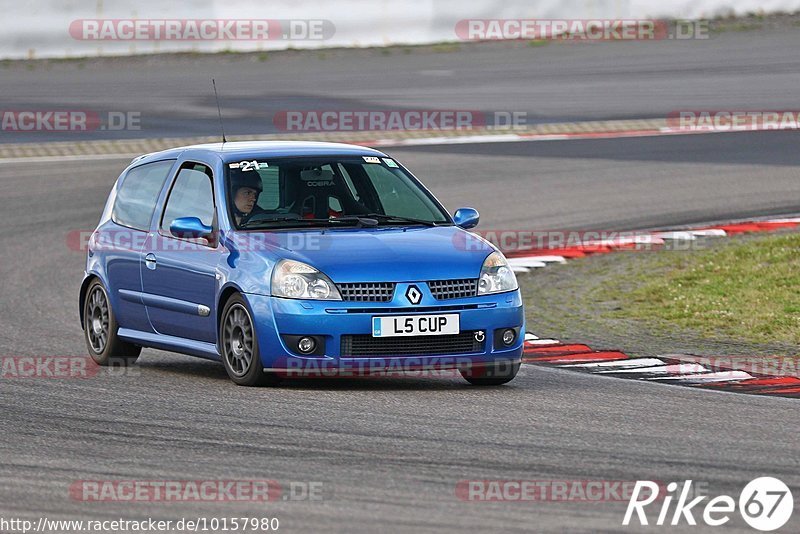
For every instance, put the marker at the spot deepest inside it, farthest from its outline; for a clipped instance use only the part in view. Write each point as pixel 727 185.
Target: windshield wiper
pixel 398 218
pixel 268 223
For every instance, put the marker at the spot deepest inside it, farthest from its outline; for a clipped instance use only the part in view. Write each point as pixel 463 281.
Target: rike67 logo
pixel 765 503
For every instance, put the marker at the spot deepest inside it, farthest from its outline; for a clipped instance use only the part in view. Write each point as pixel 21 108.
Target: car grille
pixel 367 291
pixel 366 346
pixel 453 289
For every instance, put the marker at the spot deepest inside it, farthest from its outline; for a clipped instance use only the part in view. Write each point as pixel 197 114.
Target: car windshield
pixel 327 191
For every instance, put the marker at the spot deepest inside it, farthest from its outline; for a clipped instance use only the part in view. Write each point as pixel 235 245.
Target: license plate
pixel 415 325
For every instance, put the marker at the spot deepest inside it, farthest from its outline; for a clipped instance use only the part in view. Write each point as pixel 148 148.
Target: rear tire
pixel 100 330
pixel 493 374
pixel 238 344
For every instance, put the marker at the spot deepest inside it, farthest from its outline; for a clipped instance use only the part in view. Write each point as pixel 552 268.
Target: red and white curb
pixel 685 370
pixel 525 260
pixel 664 369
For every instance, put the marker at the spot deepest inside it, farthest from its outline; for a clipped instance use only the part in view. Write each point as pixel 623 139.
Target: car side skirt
pixel 171 343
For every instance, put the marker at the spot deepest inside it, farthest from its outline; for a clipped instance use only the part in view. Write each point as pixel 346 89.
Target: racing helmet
pixel 249 179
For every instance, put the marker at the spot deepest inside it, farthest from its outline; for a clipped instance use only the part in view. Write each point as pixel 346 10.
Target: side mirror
pixel 190 227
pixel 466 218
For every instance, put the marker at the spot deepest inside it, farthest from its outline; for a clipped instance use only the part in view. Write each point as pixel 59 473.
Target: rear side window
pixel 270 198
pixel 137 196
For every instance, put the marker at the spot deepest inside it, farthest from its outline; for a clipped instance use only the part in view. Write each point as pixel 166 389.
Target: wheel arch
pixel 224 295
pixel 82 295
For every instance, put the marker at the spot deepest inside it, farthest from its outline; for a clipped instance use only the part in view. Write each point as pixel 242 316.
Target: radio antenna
pixel 219 111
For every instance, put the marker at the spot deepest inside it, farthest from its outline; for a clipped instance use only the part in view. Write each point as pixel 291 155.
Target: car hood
pixel 382 254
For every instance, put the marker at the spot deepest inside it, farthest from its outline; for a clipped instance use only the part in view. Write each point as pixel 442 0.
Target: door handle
pixel 150 261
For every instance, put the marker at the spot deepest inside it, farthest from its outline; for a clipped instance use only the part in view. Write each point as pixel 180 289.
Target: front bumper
pixel 332 321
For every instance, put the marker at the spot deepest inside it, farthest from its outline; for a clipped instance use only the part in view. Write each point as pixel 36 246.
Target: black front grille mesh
pixel 366 346
pixel 384 291
pixel 453 289
pixel 367 292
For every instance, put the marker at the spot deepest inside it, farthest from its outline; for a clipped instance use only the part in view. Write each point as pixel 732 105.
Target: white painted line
pixel 549 137
pixel 542 342
pixel 632 240
pixel 647 239
pixel 719 376
pixel 788 220
pixel 630 363
pixel 549 259
pixel 710 232
pixel 526 262
pixel 516 138
pixel 530 337
pixel 675 369
pixel 465 139
pixel 676 235
pixel 520 269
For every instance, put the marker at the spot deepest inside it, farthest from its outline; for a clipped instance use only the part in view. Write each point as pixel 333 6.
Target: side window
pixel 397 195
pixel 349 181
pixel 191 196
pixel 270 197
pixel 137 196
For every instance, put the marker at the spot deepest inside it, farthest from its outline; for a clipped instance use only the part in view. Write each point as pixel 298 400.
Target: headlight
pixel 296 280
pixel 496 275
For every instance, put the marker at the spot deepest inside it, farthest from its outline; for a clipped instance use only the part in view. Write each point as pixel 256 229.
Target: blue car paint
pixel 160 307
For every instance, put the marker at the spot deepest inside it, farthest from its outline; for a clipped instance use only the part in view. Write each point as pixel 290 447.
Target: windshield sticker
pixel 390 162
pixel 249 165
pixel 371 159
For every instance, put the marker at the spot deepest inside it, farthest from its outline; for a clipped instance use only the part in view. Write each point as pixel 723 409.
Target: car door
pixel 121 239
pixel 179 275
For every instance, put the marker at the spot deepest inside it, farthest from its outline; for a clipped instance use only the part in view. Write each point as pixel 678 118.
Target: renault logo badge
pixel 413 295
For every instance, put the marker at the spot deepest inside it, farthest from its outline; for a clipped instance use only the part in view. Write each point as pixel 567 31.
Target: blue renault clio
pixel 296 259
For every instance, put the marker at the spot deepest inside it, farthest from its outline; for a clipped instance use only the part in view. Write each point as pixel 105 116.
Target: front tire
pixel 493 374
pixel 100 330
pixel 238 346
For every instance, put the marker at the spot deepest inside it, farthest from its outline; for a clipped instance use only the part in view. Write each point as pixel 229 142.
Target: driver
pixel 245 188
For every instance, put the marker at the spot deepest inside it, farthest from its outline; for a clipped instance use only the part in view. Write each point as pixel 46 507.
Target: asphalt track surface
pixel 553 83
pixel 390 451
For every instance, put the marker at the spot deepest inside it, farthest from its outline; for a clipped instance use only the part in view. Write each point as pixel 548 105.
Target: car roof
pixel 233 151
